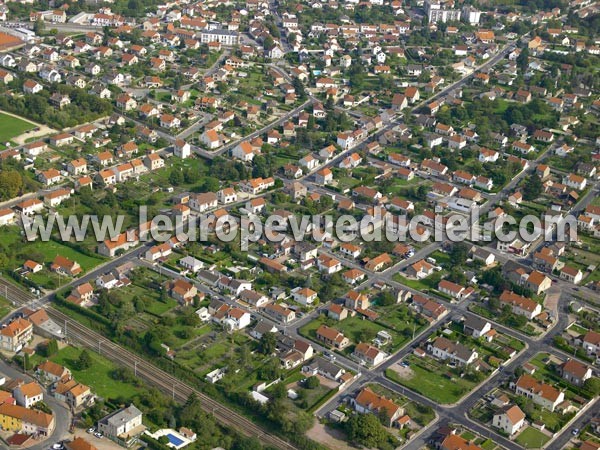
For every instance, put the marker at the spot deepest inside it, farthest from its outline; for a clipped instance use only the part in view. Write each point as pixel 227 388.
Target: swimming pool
pixel 174 440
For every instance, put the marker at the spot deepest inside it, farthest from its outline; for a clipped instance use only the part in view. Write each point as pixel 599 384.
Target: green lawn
pixel 49 250
pixel 423 285
pixel 433 385
pixel 532 438
pixel 11 126
pixel 98 377
pixel 5 307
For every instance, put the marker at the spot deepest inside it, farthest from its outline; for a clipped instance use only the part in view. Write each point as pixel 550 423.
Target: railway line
pixel 167 383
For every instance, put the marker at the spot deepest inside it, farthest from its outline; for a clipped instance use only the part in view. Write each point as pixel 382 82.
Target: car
pixel 575 431
pixel 99 434
pixel 57 446
pixel 329 356
pixel 91 430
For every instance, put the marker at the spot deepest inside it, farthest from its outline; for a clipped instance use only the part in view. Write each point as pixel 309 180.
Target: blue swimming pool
pixel 174 440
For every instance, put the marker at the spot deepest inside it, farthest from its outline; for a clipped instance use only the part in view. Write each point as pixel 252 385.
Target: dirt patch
pixel 405 373
pixel 329 437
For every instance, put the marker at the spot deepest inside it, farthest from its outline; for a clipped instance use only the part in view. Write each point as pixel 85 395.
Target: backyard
pixel 99 376
pixel 428 377
pixel 532 438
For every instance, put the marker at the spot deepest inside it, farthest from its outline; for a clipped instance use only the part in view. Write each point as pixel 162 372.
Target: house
pixel 254 298
pixel 571 274
pixel 368 402
pixel 81 294
pixel 454 290
pixel 182 291
pixel 32 87
pixel 257 185
pixel 245 151
pixel 476 326
pixel 28 394
pixel 169 121
pixel 279 313
pixel 79 444
pixel 52 371
pixel 378 263
pixel 355 300
pixel 304 296
pixel 25 420
pixel 50 176
pixel 7 217
pixel 509 418
pixel 65 266
pixel 575 372
pixel 331 337
pixel 337 312
pixel 520 305
pixel 153 161
pixel 77 167
pixel 575 181
pixel 419 269
pixel 29 207
pixel 203 202
pixel 369 354
pixel 56 197
pixel 444 349
pixel 16 335
pixel 327 369
pixel 324 176
pixel 328 265
pixel 236 319
pixel 540 393
pixel 591 342
pixel 182 149
pixel 122 425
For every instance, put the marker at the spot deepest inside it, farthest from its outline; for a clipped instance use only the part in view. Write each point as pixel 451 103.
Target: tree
pixel 386 298
pixel 366 430
pixel 11 184
pixel 84 361
pixel 39 26
pixel 523 59
pixel 176 177
pixel 52 347
pixel 593 385
pixel 267 343
pixel 533 187
pixel 312 382
pixel 458 253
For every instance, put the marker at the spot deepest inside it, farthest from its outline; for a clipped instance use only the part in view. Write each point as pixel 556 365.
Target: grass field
pixel 532 438
pixel 51 249
pixel 11 126
pixel 98 376
pixel 431 384
pixel 5 307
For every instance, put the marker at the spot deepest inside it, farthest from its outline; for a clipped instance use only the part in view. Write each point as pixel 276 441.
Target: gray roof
pixel 122 416
pixel 475 322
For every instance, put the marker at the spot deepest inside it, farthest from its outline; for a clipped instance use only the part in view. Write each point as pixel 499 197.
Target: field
pixel 51 249
pixel 532 438
pixel 357 330
pixel 12 126
pixel 432 383
pixel 98 376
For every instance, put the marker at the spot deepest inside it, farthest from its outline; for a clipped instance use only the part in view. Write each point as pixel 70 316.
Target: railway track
pixel 167 383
